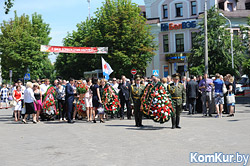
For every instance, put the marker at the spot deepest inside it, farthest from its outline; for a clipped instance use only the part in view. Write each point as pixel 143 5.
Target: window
pixel 179 40
pixel 235 32
pixel 165 43
pixel 247 6
pixel 179 9
pixel 230 7
pixel 193 35
pixel 221 5
pixel 165 11
pixel 193 8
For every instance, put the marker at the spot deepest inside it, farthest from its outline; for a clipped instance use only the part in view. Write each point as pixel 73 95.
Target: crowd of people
pixel 195 94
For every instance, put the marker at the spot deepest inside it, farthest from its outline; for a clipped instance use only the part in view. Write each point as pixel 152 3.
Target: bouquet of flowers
pixel 161 108
pixel 146 98
pixel 110 99
pixel 81 88
pixel 49 102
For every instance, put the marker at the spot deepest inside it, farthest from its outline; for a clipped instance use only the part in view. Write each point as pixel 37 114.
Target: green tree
pixel 74 65
pixel 246 63
pixel 119 26
pixel 20 46
pixel 219 47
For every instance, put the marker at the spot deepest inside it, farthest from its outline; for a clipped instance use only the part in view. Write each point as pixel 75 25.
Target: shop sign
pixel 183 25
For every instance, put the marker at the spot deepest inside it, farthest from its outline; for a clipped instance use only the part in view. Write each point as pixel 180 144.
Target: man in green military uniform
pixel 178 93
pixel 136 93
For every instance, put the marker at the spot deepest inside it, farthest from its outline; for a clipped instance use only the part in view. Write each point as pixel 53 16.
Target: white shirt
pixel 115 86
pixel 44 88
pixel 29 96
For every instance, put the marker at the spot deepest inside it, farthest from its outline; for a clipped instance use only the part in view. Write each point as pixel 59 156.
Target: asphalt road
pixel 120 143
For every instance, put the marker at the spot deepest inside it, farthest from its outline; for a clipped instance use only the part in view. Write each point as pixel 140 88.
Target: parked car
pixel 242 85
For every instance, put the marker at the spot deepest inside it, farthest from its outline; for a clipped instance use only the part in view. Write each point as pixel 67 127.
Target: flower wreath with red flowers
pixel 146 98
pixel 80 105
pixel 161 104
pixel 110 99
pixel 81 88
pixel 49 103
pixel 158 105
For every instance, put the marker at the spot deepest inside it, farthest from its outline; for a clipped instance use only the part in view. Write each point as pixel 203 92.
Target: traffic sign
pixel 27 76
pixel 133 71
pixel 185 68
pixel 10 73
pixel 156 73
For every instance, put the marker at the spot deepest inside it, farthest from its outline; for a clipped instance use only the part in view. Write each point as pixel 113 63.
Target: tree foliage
pixel 117 25
pixel 246 63
pixel 219 47
pixel 7 5
pixel 20 46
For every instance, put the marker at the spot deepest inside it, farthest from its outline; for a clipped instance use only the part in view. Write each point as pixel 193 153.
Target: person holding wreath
pixel 136 93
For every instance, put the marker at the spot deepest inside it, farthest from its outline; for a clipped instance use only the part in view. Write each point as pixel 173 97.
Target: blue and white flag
pixel 106 69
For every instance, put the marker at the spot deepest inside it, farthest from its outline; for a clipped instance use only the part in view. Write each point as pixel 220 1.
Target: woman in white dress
pixel 88 100
pixel 17 96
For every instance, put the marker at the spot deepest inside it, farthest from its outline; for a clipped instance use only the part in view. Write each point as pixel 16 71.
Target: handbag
pixel 14 103
pixel 224 89
pixel 230 98
pixel 100 110
pixel 23 111
pixel 10 98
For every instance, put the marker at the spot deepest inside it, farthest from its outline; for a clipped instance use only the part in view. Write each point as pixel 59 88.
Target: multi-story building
pixel 174 23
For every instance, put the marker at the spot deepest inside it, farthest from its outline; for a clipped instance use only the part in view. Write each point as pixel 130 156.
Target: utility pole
pixel 89 8
pixel 206 42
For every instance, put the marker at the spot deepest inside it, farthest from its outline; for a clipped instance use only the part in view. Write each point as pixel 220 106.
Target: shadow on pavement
pixel 148 128
pixel 4 119
pixel 133 127
pixel 120 125
pixel 233 120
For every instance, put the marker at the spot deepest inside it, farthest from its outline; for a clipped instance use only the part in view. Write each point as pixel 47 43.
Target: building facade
pixel 174 24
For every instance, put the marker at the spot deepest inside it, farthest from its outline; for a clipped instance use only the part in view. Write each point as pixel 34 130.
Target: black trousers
pixel 62 108
pixel 192 105
pixel 128 104
pixel 137 113
pixel 70 106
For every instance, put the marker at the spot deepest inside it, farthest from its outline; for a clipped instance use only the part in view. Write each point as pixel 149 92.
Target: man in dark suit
pixel 124 94
pixel 192 94
pixel 70 98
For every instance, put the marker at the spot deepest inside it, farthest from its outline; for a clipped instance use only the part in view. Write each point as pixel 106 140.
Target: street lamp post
pixel 231 34
pixel 89 8
pixel 206 40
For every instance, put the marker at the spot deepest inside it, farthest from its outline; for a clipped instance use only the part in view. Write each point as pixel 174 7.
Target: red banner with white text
pixel 80 50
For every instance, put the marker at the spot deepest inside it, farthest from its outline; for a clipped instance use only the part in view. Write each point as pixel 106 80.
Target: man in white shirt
pixel 44 86
pixel 115 85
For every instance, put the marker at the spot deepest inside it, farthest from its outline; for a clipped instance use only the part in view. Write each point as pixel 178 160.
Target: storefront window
pixel 165 11
pixel 165 43
pixel 179 39
pixel 193 5
pixel 179 9
pixel 235 32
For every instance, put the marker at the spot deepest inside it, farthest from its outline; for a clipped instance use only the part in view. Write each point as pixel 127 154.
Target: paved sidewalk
pixel 119 142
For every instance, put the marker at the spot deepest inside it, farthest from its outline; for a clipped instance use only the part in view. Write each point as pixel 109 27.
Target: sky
pixel 61 15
